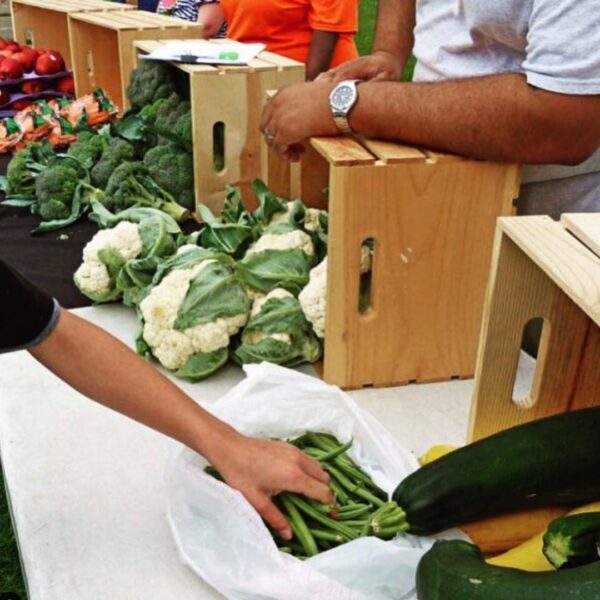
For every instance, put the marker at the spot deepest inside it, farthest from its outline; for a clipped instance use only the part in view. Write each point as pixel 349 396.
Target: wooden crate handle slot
pixel 90 67
pixel 365 276
pixel 219 135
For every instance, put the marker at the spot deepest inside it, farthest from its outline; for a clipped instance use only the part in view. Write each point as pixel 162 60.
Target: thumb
pixel 272 515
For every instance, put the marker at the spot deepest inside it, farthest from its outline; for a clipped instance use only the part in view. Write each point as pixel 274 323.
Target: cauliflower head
pixel 313 298
pixel 254 337
pixel 107 251
pixel 160 309
pixel 289 240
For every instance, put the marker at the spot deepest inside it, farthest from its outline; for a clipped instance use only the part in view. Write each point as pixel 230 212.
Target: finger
pixel 312 488
pixel 266 116
pixel 314 469
pixel 273 516
pixel 326 75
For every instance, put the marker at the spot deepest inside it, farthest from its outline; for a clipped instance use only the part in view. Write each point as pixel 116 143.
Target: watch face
pixel 342 96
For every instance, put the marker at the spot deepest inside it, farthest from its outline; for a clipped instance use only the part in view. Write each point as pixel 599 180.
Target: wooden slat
pixel 342 151
pixel 440 157
pixel 391 153
pixel 67 6
pixel 133 19
pixel 586 227
pixel 574 268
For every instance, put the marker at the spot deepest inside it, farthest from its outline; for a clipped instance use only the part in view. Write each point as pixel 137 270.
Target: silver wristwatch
pixel 341 100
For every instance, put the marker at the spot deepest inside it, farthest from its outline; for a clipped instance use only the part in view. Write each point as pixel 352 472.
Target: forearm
pixel 102 368
pixel 498 117
pixel 395 24
pixel 322 48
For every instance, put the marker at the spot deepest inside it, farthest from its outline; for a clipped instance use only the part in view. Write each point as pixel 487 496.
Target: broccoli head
pixel 172 168
pixel 151 81
pixel 173 120
pixel 116 152
pixel 131 185
pixel 88 148
pixel 54 188
pixel 23 170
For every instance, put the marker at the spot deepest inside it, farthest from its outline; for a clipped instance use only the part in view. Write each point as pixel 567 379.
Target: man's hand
pixel 294 114
pixel 260 469
pixel 379 66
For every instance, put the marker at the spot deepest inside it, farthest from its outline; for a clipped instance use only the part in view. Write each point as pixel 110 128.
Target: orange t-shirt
pixel 286 26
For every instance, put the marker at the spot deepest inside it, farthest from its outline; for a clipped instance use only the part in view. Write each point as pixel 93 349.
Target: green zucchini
pixel 456 570
pixel 549 462
pixel 572 540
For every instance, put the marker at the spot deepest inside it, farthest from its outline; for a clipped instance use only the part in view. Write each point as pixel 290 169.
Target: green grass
pixel 367 14
pixel 11 579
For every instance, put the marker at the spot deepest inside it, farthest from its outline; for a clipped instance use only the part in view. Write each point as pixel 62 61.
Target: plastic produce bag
pixel 222 538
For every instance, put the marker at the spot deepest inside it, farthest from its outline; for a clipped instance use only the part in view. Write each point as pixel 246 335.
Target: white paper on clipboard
pixel 205 52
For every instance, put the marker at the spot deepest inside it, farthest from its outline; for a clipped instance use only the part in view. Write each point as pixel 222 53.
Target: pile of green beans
pixel 360 509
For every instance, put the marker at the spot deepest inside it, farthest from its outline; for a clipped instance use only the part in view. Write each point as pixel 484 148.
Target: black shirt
pixel 27 313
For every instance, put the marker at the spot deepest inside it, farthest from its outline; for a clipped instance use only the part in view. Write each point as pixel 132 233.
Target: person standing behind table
pixel 206 12
pixel 512 80
pixel 319 33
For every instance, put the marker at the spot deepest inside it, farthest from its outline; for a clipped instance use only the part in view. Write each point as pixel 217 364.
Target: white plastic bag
pixel 222 538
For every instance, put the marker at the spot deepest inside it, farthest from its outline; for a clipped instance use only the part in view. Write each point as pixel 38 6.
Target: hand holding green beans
pixel 357 508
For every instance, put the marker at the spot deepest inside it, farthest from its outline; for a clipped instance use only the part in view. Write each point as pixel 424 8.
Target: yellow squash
pixel 529 556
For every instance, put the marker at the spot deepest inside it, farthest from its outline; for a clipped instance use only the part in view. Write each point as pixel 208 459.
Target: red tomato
pixel 4 95
pixel 3 43
pixel 33 86
pixel 13 47
pixel 20 104
pixel 11 69
pixel 26 59
pixel 49 63
pixel 66 85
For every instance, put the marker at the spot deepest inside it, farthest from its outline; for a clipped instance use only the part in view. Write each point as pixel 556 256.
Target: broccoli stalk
pixel 131 185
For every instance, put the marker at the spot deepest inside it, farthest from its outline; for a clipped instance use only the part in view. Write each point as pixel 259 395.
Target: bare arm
pixel 99 366
pixel 500 117
pixel 211 17
pixel 322 47
pixel 393 44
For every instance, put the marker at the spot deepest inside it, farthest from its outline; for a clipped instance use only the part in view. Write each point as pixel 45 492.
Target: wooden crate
pixel 432 218
pixel 549 270
pixel 103 51
pixel 45 23
pixel 234 96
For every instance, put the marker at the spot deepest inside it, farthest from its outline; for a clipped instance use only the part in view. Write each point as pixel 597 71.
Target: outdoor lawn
pixel 10 571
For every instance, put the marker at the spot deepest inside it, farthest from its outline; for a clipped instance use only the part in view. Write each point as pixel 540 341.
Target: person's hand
pixel 260 469
pixel 379 66
pixel 294 114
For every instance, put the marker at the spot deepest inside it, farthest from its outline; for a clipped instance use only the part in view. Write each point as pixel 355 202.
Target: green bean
pixel 393 520
pixel 328 536
pixel 353 511
pixel 388 533
pixel 386 509
pixel 336 452
pixel 323 508
pixel 339 492
pixel 308 510
pixel 353 487
pixel 298 525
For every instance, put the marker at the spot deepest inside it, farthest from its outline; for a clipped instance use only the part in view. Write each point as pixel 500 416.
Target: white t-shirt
pixel 554 43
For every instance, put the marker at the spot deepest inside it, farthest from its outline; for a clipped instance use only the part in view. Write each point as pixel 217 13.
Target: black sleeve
pixel 27 313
